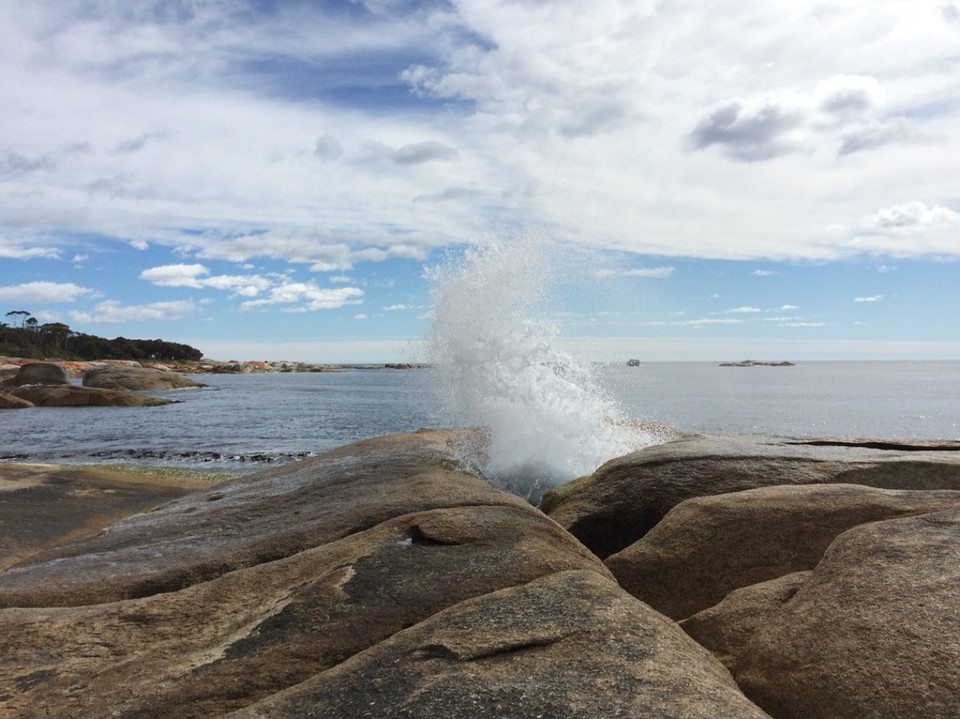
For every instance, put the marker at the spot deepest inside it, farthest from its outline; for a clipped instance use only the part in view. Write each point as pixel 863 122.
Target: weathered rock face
pixel 725 628
pixel 708 546
pixel 569 645
pixel 626 497
pixel 873 633
pixel 69 395
pixel 9 401
pixel 46 505
pixel 135 378
pixel 290 593
pixel 40 373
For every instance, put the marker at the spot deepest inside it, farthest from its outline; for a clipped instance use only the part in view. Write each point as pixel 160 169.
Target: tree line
pixel 23 336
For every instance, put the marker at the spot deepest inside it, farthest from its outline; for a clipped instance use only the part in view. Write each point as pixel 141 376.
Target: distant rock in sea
pixel 755 363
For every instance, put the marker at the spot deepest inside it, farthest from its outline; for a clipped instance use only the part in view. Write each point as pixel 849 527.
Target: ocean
pixel 247 422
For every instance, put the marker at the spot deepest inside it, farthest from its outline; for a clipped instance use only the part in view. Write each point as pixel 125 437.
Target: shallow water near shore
pixel 246 422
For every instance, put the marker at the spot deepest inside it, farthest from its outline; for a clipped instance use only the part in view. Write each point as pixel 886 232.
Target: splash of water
pixel 548 419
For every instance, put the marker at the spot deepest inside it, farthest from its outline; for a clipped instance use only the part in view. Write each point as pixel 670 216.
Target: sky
pixel 274 180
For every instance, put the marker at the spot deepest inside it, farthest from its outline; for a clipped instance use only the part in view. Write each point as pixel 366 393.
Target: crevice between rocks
pixel 884 445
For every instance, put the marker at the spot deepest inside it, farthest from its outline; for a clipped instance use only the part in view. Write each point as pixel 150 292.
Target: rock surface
pixel 378 572
pixel 627 496
pixel 43 505
pixel 569 645
pixel 9 401
pixel 136 378
pixel 726 628
pixel 69 395
pixel 706 547
pixel 873 632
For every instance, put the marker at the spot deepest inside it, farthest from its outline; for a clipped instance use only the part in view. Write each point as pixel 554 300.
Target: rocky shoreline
pixel 708 576
pixel 205 366
pixel 49 383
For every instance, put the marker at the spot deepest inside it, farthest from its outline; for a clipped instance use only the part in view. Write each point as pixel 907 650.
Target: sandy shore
pixel 44 505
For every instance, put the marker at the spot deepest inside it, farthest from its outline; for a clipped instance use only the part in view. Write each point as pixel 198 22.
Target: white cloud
pixel 306 297
pixel 113 312
pixel 661 272
pixel 763 273
pixel 396 308
pixel 869 298
pixel 911 217
pixel 175 275
pixel 707 322
pixel 46 292
pixel 16 251
pixel 743 310
pixel 193 275
pixel 633 126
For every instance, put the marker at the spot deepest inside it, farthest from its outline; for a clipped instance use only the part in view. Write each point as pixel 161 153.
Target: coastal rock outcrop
pixel 626 497
pixel 378 579
pixel 69 395
pixel 128 377
pixel 568 644
pixel 873 632
pixel 706 547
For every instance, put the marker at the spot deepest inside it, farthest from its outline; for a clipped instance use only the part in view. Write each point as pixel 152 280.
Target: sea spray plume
pixel 500 369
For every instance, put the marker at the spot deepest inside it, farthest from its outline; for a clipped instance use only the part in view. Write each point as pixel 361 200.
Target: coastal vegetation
pixel 22 335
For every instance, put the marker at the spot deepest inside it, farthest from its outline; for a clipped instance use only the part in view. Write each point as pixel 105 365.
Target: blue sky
pixel 269 180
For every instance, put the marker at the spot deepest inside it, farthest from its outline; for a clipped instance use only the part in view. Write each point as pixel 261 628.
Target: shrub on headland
pixel 25 337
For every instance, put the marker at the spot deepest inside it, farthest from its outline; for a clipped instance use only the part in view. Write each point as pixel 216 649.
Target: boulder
pixel 135 378
pixel 620 502
pixel 69 395
pixel 725 628
pixel 291 592
pixel 708 546
pixel 42 373
pixel 873 633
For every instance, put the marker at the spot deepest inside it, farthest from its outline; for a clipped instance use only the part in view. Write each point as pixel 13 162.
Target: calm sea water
pixel 248 421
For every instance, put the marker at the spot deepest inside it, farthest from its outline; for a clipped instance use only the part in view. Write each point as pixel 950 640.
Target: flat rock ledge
pixel 379 579
pixel 823 573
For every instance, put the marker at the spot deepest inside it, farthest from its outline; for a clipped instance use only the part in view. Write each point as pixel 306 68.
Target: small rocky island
pixel 755 363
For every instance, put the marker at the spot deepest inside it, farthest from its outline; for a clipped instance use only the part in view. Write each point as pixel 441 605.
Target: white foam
pixel 501 369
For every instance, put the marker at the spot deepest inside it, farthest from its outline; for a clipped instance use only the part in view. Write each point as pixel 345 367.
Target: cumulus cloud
pixel 911 217
pixel 113 312
pixel 750 131
pixel 45 292
pixel 306 297
pixel 847 110
pixel 869 298
pixel 175 275
pixel 16 251
pixel 763 273
pixel 194 275
pixel 746 310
